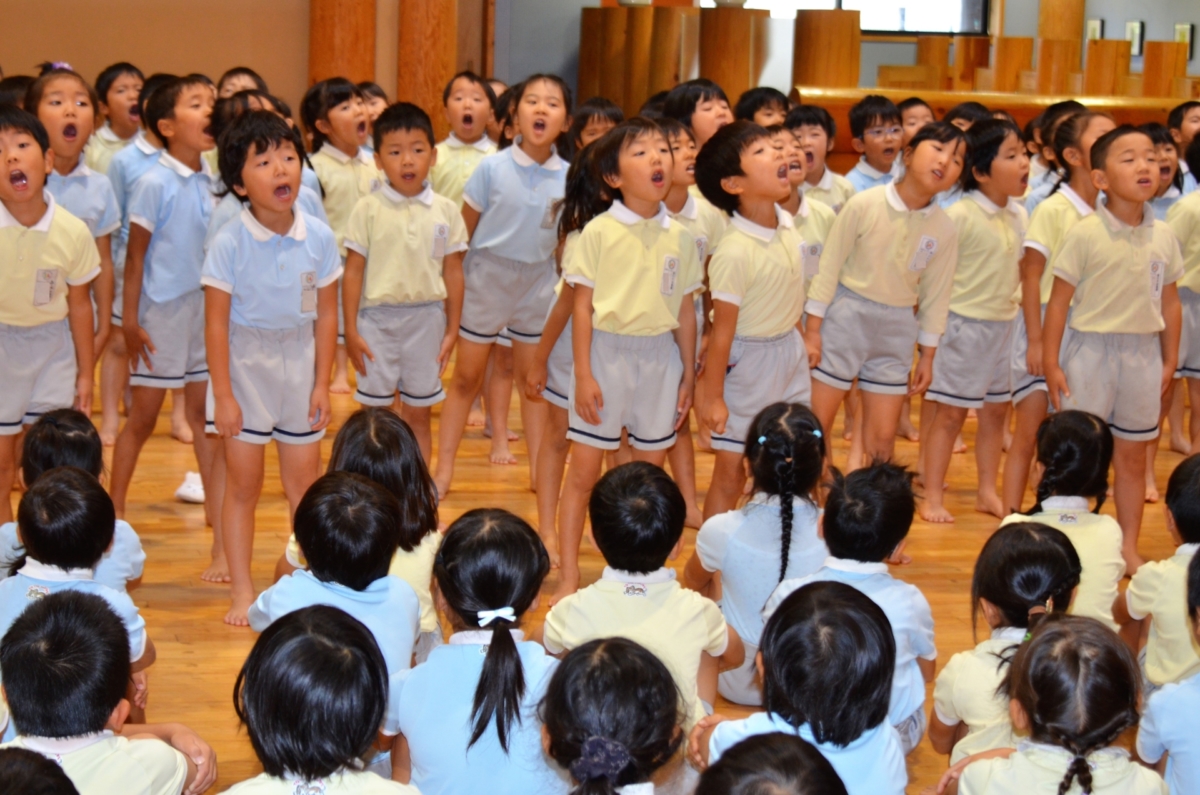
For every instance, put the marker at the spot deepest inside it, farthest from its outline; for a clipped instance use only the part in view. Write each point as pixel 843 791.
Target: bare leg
pixel 989 444
pixel 881 413
pixel 552 462
pixel 849 418
pixel 8 475
pixel 825 403
pixel 1194 418
pixel 114 376
pixel 498 387
pixel 214 497
pixel 937 441
pixel 1180 442
pixel 582 474
pixel 622 455
pixel 139 426
pixel 180 429
pixel 1129 491
pixel 340 385
pixel 905 427
pixel 683 468
pixel 299 466
pixel 420 419
pixel 470 362
pixel 1151 483
pixel 728 480
pixel 243 485
pixel 855 459
pixel 533 412
pixel 1030 413
pixel 205 447
pixel 929 410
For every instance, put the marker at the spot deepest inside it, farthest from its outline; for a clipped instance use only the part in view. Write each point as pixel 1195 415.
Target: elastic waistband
pixel 398 309
pixel 274 334
pixel 40 330
pixel 1120 337
pixel 631 343
pixel 491 256
pixel 981 322
pixel 845 292
pixel 766 340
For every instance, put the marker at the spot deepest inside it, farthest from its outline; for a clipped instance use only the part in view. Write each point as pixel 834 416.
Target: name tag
pixel 702 248
pixel 1157 270
pixel 441 235
pixel 308 292
pixel 43 287
pixel 925 251
pixel 1068 518
pixel 811 254
pixel 549 216
pixel 670 273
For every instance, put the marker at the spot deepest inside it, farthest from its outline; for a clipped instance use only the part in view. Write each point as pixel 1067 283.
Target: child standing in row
pixel 117 89
pixel 815 129
pixel 1184 220
pixel 875 134
pixel 469 103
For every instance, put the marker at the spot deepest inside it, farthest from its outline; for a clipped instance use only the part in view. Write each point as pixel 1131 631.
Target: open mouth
pixel 782 172
pixel 208 131
pixel 938 174
pixel 1145 181
pixel 658 178
pixel 809 159
pixel 361 129
pixel 539 126
pixel 1165 171
pixel 691 169
pixel 795 165
pixel 134 113
pixel 18 179
pixel 889 152
pixel 468 120
pixel 408 176
pixel 70 132
pixel 283 192
pixel 1024 180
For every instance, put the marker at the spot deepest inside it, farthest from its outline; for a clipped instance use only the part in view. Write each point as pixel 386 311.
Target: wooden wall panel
pixel 1060 19
pixel 428 54
pixel 341 40
pixel 472 21
pixel 674 47
pixel 1011 56
pixel 828 47
pixel 1057 60
pixel 639 33
pixel 1107 66
pixel 589 53
pixel 1164 61
pixel 613 26
pixel 733 47
pixel 970 53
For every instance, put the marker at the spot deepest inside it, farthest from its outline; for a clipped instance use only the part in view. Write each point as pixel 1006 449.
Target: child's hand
pixel 952 775
pixel 1167 377
pixel 1034 364
pixel 684 404
pixel 695 745
pixel 535 381
pixel 190 744
pixel 812 343
pixel 357 348
pixel 141 688
pixel 715 414
pixel 1056 384
pixel 83 394
pixel 702 357
pixel 138 345
pixel 448 343
pixel 227 416
pixel 589 400
pixel 923 376
pixel 319 409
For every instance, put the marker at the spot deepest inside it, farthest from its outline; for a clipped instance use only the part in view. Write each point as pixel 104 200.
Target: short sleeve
pixel 259 614
pixel 116 179
pixel 923 643
pixel 135 625
pixel 1070 260
pixel 554 633
pixel 691 269
pixel 580 261
pixel 726 735
pixel 358 228
pixel 1175 263
pixel 110 215
pixel 478 189
pixel 1181 221
pixel 1150 745
pixel 218 264
pixel 391 717
pixel 145 203
pixel 329 265
pixel 1143 590
pixel 839 244
pixel 781 592
pixel 713 539
pixel 1043 230
pixel 727 273
pixel 943 693
pixel 164 767
pixel 10 548
pixel 716 630
pixel 458 230
pixel 125 561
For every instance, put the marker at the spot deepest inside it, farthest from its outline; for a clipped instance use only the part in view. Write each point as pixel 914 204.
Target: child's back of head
pixel 312 693
pixel 1025 569
pixel 61 438
pixel 348 528
pixel 611 715
pixel 66 519
pixel 771 764
pixel 30 773
pixel 1183 499
pixel 66 665
pixel 637 515
pixel 869 512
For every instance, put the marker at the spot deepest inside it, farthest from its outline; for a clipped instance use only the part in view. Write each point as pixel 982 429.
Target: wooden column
pixel 674 47
pixel 639 32
pixel 828 49
pixel 1107 67
pixel 1013 55
pixel 428 55
pixel 341 40
pixel 1163 62
pixel 1057 60
pixel 970 53
pixel 589 54
pixel 1060 19
pixel 934 52
pixel 733 47
pixel 613 26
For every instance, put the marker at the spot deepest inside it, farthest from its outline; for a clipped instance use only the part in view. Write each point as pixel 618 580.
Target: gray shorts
pixel 176 328
pixel 1116 377
pixel 504 339
pixel 761 371
pixel 639 378
pixel 911 730
pixel 38 366
pixel 973 363
pixel 740 685
pixel 869 341
pixel 1189 340
pixel 405 339
pixel 272 372
pixel 558 370
pixel 1021 382
pixel 505 293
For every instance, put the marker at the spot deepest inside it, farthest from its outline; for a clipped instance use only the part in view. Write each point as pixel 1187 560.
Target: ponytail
pixel 600 765
pixel 787 480
pixel 502 682
pixel 1075 449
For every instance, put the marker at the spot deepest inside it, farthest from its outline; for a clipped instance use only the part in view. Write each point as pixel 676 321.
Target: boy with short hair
pixel 410 242
pixel 762 105
pixel 637 515
pixel 1184 123
pixel 915 113
pixel 815 129
pixel 867 518
pixel 1184 220
pixel 46 320
pixel 469 105
pixel 875 134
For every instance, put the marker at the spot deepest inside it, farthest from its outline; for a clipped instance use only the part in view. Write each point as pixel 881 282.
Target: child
pixel 1170 182
pixel 634 271
pixel 1074 450
pixel 868 514
pixel 312 696
pixel 915 113
pixel 592 119
pixel 1073 689
pixel 67 438
pixel 376 101
pixel 611 714
pixel 469 103
pixel 509 270
pixel 1116 272
pixel 1184 220
pixel 13 88
pixel 410 243
pixel 775 763
pixel 775 531
pixel 973 366
pixel 890 249
pixel 875 133
pixel 1053 170
pixel 763 105
pixel 117 90
pixel 30 772
pixel 813 219
pixel 1025 569
pixel 815 129
pixel 468 716
pixel 637 520
pixel 1184 124
pixel 45 311
pixel 66 666
pixel 240 78
pixel 965 115
pixel 701 105
pixel 834 695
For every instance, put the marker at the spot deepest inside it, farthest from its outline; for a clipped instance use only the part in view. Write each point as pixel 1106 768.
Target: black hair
pixel 771 764
pixel 786 451
pixel 721 157
pixel 30 773
pixel 66 665
pixel 1078 684
pixel 1075 449
pixel 970 112
pixel 585 195
pixel 13 88
pixel 1066 132
pixel 1099 155
pixel 489 569
pixel 33 96
pixel 229 109
pixel 504 111
pixel 674 128
pixel 652 108
pixel 593 108
pixel 1192 155
pixel 814 115
pixel 14 119
pixel 243 71
pixel 105 80
pixel 1183 498
pixel 66 519
pixel 150 85
pixel 1193 588
pixel 1004 115
pixel 375 90
pixel 319 100
pixel 984 140
pixel 375 443
pixel 519 89
pixel 403 116
pixel 1032 131
pixel 612 714
pixel 1161 136
pixel 758 98
pixel 942 132
pixel 348 528
pixel 161 103
pixel 251 134
pixel 681 101
pixel 312 693
pixel 470 77
pixel 607 160
pixel 828 656
pixel 61 438
pixel 1025 568
pixel 1177 114
pixel 869 512
pixel 871 109
pixel 914 102
pixel 637 515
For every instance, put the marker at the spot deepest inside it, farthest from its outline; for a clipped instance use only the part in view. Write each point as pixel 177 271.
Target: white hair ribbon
pixel 488 616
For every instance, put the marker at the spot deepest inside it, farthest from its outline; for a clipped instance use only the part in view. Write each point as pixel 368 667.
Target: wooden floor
pixel 199 656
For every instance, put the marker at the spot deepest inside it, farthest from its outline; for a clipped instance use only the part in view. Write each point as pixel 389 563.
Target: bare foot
pixel 959 445
pixel 340 385
pixel 1151 493
pixel 907 430
pixel 936 514
pixel 991 504
pixel 443 488
pixel 550 541
pixel 694 518
pixel 109 430
pixel 567 587
pixel 487 432
pixel 239 607
pixel 181 433
pixel 1181 444
pixel 475 417
pixel 502 456
pixel 217 571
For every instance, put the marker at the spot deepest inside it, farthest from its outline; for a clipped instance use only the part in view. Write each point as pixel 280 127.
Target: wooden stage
pixel 199 656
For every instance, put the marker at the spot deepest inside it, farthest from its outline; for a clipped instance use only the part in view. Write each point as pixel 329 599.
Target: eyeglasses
pixel 882 132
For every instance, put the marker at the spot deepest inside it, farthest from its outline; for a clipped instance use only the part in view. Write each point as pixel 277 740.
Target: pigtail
pixel 1102 737
pixel 502 682
pixel 787 480
pixel 584 196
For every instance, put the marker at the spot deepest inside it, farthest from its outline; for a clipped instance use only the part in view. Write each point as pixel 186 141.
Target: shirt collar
pixel 1065 504
pixel 61 746
pixel 645 788
pixel 664 574
pixel 480 637
pixel 424 197
pixel 143 143
pixel 869 169
pixel 802 212
pixel 298 230
pixel 1172 193
pixel 629 217
pixel 1016 634
pixel 990 207
pixel 1187 549
pixel 42 571
pixel 484 144
pixel 182 170
pixel 893 198
pixel 1183 166
pixel 80 171
pixel 43 225
pixel 1075 199
pixel 106 132
pixel 690 209
pixel 825 182
pixel 1116 225
pixel 553 163
pixel 761 232
pixel 855 566
pixel 363 156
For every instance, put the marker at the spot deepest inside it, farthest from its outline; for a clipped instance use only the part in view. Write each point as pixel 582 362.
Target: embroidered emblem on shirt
pixel 308 787
pixel 635 589
pixel 37 592
pixel 1068 518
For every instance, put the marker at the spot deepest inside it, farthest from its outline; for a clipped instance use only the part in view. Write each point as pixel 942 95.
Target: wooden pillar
pixel 613 25
pixel 428 55
pixel 674 47
pixel 341 40
pixel 1163 62
pixel 639 33
pixel 1057 60
pixel 733 47
pixel 970 53
pixel 1107 67
pixel 1061 19
pixel 1013 55
pixel 828 49
pixel 934 52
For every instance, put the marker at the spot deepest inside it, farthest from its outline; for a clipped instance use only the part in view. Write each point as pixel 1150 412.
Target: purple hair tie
pixel 61 65
pixel 600 757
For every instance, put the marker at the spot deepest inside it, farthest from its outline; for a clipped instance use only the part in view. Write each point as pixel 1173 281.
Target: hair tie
pixel 600 757
pixel 816 432
pixel 61 65
pixel 762 440
pixel 488 616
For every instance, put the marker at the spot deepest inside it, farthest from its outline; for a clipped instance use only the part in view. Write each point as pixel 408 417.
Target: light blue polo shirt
pixel 864 176
pixel 310 180
pixel 873 764
pixel 124 560
pixel 127 167
pixel 174 203
pixel 1168 726
pixel 88 195
pixel 1189 179
pixel 308 201
pixel 434 702
pixel 515 198
pixel 1163 204
pixel 907 610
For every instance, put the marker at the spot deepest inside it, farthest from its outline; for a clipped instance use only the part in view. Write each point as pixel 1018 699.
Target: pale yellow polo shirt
pixel 640 270
pixel 1118 272
pixel 1159 589
pixel 101 147
pixel 345 180
pixel 1038 769
pixel 344 782
pixel 965 692
pixel 1184 220
pixel 1049 224
pixel 40 262
pixel 104 764
pixel 987 281
pixel 404 241
pixel 705 223
pixel 886 253
pixel 813 220
pixel 761 272
pixel 674 623
pixel 456 162
pixel 832 190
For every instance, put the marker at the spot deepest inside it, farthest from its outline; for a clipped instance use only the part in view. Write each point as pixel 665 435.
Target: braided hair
pixel 1075 449
pixel 786 451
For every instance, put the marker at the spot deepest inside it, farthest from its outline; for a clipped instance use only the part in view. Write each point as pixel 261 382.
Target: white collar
pixel 142 142
pixel 664 574
pixel 645 788
pixel 362 156
pixel 855 566
pixel 690 209
pixel 1076 200
pixel 1172 193
pixel 106 132
pixel 1115 224
pixel 484 144
pixel 802 212
pixel 1065 504
pixel 869 169
pixel 761 232
pixel 990 207
pixel 893 198
pixel 629 217
pixel 480 637
pixel 521 158
pixel 42 571
pixel 1009 633
pixel 824 183
pixel 1109 752
pixel 298 230
pixel 182 170
pixel 60 746
pixel 424 197
pixel 1183 166
pixel 43 225
pixel 772 500
pixel 1187 549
